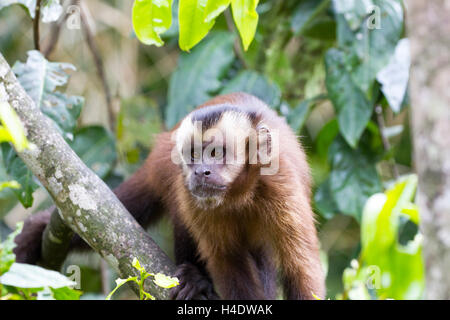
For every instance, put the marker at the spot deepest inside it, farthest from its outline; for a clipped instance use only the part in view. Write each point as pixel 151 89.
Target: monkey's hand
pixel 193 284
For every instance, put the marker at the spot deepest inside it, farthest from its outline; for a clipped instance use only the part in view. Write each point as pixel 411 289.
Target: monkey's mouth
pixel 207 190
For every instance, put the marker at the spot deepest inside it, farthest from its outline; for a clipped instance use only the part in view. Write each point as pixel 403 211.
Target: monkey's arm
pixel 195 282
pixel 236 276
pixel 298 254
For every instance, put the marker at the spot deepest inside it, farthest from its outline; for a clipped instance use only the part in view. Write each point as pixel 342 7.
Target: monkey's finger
pixel 186 293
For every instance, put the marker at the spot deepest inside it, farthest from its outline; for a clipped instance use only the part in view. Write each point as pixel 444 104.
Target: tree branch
pixel 55 242
pixel 37 15
pixel 85 202
pixel 430 99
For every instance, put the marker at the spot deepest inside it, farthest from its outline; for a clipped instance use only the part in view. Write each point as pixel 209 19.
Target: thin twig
pixel 56 31
pixel 236 47
pixel 37 15
pixel 99 66
pixel 384 139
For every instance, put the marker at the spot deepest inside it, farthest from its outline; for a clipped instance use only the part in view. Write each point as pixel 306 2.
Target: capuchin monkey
pixel 235 182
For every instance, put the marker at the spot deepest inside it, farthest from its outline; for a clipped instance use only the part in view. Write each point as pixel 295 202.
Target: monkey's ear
pixel 264 143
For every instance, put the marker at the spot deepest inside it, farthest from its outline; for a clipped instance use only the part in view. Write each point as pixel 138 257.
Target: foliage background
pixel 341 86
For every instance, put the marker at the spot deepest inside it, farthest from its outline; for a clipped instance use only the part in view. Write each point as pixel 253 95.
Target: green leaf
pixel 326 137
pixel 135 263
pixel 96 147
pixel 256 84
pixel 9 184
pixel 119 283
pixel 305 12
pixel 322 28
pixel 12 127
pixel 65 293
pixel 164 281
pixel 353 109
pixel 28 276
pixel 150 19
pixel 353 11
pixel 353 178
pixel 192 24
pixel 138 119
pixel 395 76
pixel 323 200
pixel 40 78
pixel 198 76
pixel 148 296
pixel 370 37
pixel 401 265
pixel 246 19
pixel 7 257
pixel 297 117
pixel 214 8
pixel 16 169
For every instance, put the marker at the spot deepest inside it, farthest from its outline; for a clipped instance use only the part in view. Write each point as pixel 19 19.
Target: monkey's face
pixel 212 154
pixel 206 172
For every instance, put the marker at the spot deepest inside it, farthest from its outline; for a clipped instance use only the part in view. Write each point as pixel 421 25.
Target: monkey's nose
pixel 202 171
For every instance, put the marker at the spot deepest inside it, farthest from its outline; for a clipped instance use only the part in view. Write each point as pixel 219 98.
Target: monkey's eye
pixel 217 153
pixel 195 155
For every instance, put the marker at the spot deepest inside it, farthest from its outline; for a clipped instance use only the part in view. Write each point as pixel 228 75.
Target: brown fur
pixel 269 215
pixel 264 223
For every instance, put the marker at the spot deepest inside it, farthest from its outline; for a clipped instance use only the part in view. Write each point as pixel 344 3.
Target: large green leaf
pixel 326 137
pixel 296 118
pixel 353 109
pixel 65 293
pixel 305 12
pixel 256 84
pixel 353 178
pixel 28 276
pixel 246 19
pixel 324 202
pixel 215 7
pixel 369 31
pixel 395 76
pixel 402 265
pixel 40 78
pixel 192 23
pixel 17 170
pixel 150 19
pixel 198 76
pixel 51 9
pixel 353 11
pixel 96 147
